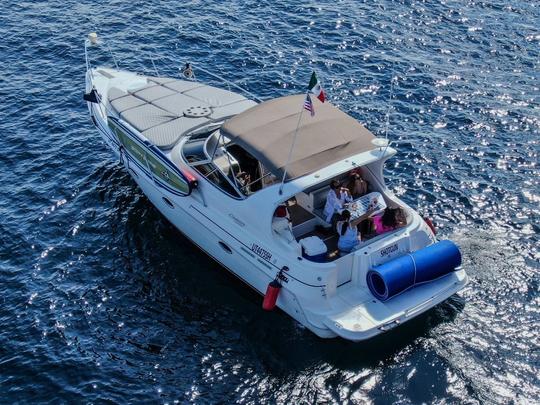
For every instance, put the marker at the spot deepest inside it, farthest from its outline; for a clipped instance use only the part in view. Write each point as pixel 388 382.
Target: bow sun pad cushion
pixel 178 103
pixel 229 110
pixel 164 110
pixel 127 102
pixel 213 96
pixel 181 86
pixel 166 135
pixel 161 80
pixel 428 264
pixel 115 93
pixel 152 93
pixel 147 116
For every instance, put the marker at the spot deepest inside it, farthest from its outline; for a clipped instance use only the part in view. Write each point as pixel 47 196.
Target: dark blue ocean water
pixel 102 300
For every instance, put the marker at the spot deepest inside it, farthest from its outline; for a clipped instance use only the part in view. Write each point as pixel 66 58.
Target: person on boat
pixel 390 219
pixel 282 224
pixel 336 197
pixel 349 237
pixel 357 185
pixel 244 181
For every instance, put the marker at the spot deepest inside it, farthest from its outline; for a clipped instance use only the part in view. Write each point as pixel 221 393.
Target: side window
pixel 147 159
pixel 160 171
pixel 131 146
pixel 214 175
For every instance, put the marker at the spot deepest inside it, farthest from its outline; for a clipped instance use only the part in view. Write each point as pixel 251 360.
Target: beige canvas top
pixel 266 131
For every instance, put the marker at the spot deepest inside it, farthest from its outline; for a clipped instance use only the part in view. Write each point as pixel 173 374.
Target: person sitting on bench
pixel 349 237
pixel 336 197
pixel 390 219
pixel 357 185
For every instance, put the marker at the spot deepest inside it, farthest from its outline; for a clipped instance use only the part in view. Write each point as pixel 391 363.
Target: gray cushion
pixel 214 96
pixel 160 80
pixel 220 113
pixel 138 87
pixel 115 92
pixel 182 85
pixel 166 135
pixel 152 93
pixel 125 103
pixel 156 108
pixel 146 116
pixel 178 103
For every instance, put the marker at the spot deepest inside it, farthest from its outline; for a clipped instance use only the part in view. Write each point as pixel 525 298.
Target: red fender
pixel 271 296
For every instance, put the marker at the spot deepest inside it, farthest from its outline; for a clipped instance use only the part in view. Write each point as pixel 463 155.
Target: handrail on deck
pixel 253 96
pixel 214 75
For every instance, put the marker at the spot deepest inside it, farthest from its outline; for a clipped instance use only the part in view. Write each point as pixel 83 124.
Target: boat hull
pixel 211 238
pixel 322 297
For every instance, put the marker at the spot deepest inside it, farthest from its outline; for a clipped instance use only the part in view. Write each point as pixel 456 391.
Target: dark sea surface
pixel 102 300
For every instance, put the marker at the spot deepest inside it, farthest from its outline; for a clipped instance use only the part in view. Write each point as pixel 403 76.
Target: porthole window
pixel 168 202
pixel 225 247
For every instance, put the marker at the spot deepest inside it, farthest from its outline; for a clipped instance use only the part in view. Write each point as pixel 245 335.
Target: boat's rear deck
pixel 357 316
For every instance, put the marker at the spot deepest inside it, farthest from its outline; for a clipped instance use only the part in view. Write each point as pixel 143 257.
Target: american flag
pixel 308 105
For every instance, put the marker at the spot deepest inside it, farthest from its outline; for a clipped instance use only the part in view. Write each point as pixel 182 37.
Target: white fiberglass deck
pixel 358 315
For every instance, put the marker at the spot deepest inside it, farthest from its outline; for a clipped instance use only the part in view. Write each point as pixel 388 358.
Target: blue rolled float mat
pixel 427 264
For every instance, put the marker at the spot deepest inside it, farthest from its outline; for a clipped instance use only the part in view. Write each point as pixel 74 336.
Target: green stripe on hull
pixel 147 159
pixel 164 174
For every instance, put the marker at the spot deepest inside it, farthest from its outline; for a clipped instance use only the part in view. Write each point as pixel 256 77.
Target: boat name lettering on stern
pixel 265 254
pixel 389 250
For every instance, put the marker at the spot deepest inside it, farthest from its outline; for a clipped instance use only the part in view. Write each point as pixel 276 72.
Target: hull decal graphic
pixel 151 161
pixel 247 247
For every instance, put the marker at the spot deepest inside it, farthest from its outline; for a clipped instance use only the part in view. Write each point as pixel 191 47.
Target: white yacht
pixel 212 162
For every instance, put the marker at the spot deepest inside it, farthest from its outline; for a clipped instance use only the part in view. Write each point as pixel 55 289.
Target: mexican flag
pixel 315 87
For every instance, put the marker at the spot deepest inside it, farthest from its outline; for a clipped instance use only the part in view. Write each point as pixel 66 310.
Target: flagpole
pixel 291 150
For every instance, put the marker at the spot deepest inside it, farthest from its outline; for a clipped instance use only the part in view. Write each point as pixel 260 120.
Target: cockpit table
pixel 372 203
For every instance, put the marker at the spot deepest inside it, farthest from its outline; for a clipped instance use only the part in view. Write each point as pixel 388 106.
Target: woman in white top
pixel 349 237
pixel 336 197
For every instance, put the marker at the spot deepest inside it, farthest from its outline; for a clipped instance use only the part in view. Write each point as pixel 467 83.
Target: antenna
pixel 387 124
pixel 292 147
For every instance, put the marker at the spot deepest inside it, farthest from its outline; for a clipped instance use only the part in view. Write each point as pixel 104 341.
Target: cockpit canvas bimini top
pixel 288 194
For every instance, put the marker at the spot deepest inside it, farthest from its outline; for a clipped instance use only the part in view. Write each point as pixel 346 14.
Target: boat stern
pixel 357 315
pixel 417 273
